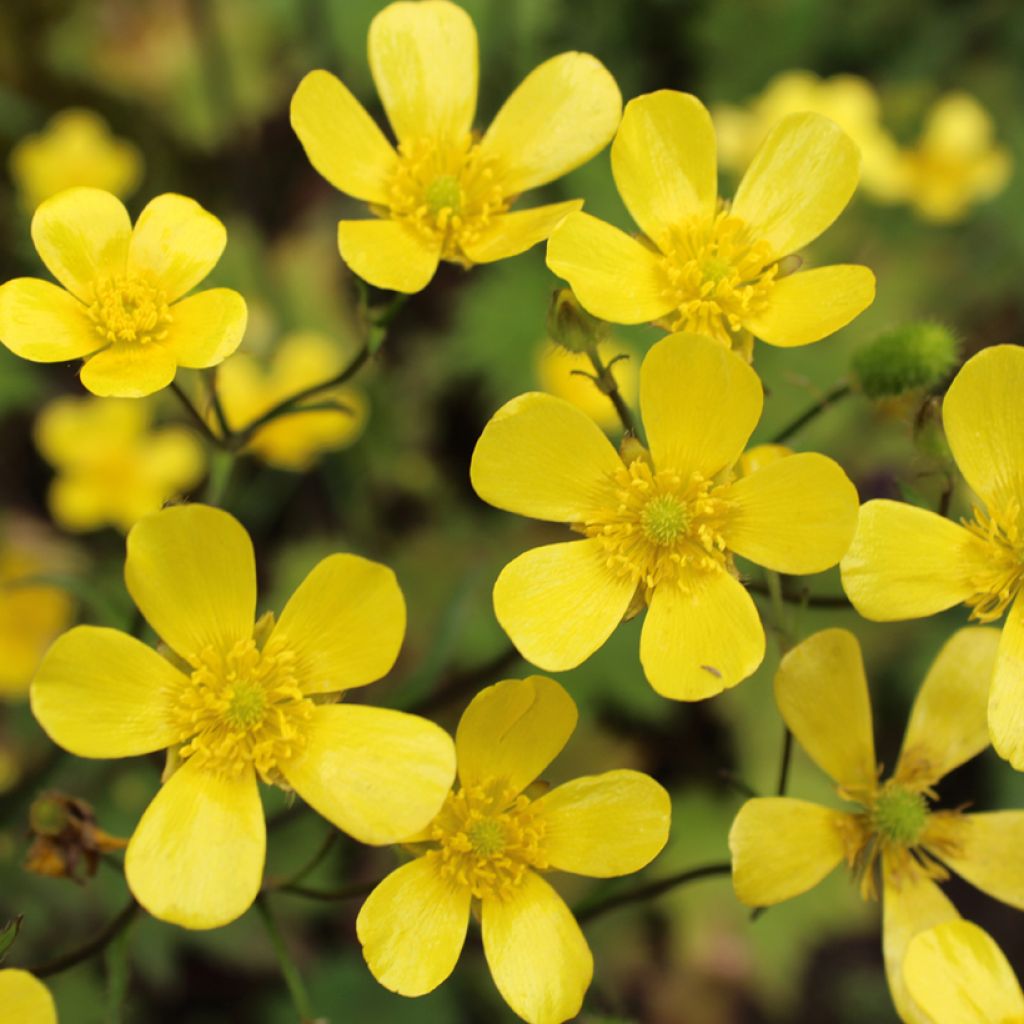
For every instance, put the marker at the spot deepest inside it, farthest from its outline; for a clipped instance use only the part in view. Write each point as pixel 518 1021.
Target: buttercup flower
pixel 121 308
pixel 707 266
pixel 237 700
pixel 111 467
pixel 906 562
pixel 25 998
pixel 445 194
pixel 660 529
pixel 782 846
pixel 75 148
pixel 296 441
pixel 487 849
pixel 568 375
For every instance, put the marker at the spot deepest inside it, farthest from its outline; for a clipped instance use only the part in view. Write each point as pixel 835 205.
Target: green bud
pixel 49 815
pixel 571 326
pixel 915 356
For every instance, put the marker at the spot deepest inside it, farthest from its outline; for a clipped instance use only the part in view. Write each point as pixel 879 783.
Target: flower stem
pixel 650 890
pixel 196 416
pixel 289 969
pixel 786 639
pixel 346 892
pixel 826 400
pixel 605 380
pixel 325 848
pixel 89 949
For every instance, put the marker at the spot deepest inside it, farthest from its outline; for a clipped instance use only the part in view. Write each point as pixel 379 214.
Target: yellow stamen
pixel 1003 531
pixel 129 309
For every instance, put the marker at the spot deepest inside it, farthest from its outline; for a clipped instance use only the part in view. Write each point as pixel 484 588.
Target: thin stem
pixel 346 892
pixel 215 404
pixel 605 380
pixel 196 416
pixel 289 969
pixel 826 400
pixel 458 684
pixel 311 865
pixel 787 639
pixel 787 757
pixel 89 949
pixel 803 599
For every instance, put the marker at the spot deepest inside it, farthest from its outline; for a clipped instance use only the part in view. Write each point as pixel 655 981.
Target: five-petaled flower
pixel 660 528
pixel 445 194
pixel 236 700
pixel 487 848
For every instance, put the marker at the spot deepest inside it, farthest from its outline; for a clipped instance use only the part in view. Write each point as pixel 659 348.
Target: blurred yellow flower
pixel 707 266
pixel 247 389
pixel 561 373
pixel 111 467
pixel 75 148
pixel 445 193
pixel 122 310
pixel 781 846
pixel 488 847
pixel 25 999
pixel 906 562
pixel 662 530
pixel 237 700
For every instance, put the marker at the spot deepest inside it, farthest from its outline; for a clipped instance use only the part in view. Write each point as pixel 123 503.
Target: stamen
pixel 129 309
pixel 995 589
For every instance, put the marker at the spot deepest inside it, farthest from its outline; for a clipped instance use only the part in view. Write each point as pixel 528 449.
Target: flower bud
pixel 571 326
pixel 916 356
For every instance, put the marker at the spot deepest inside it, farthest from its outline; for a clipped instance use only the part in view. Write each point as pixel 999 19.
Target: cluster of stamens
pixel 129 309
pixel 1003 580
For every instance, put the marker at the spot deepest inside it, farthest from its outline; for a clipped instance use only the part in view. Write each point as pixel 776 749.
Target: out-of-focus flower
pixel 111 467
pixel 759 456
pixel 707 267
pixel 488 847
pixel 67 842
pixel 25 999
pixel 445 194
pixel 248 389
pixel 75 148
pixel 121 307
pixel 570 375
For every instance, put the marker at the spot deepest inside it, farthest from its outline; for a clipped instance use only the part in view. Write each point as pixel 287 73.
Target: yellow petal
pixel 25 999
pixel 509 234
pixel 563 113
pixel 44 323
pixel 102 693
pixel 559 603
pixel 196 858
pixel 800 180
pixel 796 515
pixel 423 57
pixel 543 457
pixel 82 235
pixel 760 455
pixel 663 160
pixel 513 730
pixel 129 371
pixel 537 954
pixel 379 775
pixel 702 640
pixel 412 928
pixel 782 847
pixel 984 421
pixel 340 138
pixel 207 327
pixel 615 277
pixel 957 974
pixel 812 304
pixel 906 562
pixel 344 624
pixel 949 721
pixel 700 403
pixel 823 697
pixel 605 825
pixel 177 242
pixel 192 572
pixel 388 254
pixel 1006 699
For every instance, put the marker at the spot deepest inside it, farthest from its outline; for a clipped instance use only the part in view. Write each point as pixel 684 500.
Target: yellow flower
pixel 556 373
pixel 25 999
pixel 122 310
pixel 707 266
pixel 486 851
pixel 239 700
pixel 659 531
pixel 296 441
pixel 781 846
pixel 445 193
pixel 956 974
pixel 955 163
pixel 75 148
pixel 111 467
pixel 906 562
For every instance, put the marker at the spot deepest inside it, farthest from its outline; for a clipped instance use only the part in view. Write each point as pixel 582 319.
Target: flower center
pixel 663 519
pixel 447 192
pixel 718 276
pixel 129 309
pixel 899 815
pixel 488 837
pixel 1003 580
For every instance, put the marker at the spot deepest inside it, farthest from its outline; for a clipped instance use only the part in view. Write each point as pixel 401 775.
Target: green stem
pixel 458 684
pixel 215 404
pixel 650 890
pixel 346 892
pixel 826 400
pixel 786 639
pixel 89 949
pixel 803 599
pixel 196 416
pixel 325 848
pixel 289 969
pixel 605 380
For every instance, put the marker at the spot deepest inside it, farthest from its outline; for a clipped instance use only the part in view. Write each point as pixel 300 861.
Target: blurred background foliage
pixel 199 89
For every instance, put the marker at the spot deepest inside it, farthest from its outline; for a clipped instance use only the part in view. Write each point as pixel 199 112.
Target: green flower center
pixel 487 837
pixel 248 704
pixel 664 519
pixel 899 815
pixel 444 193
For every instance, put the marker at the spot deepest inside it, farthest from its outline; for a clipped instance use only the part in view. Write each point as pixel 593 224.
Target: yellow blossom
pixel 75 148
pixel 710 267
pixel 25 999
pixel 569 375
pixel 111 467
pixel 237 700
pixel 660 529
pixel 121 308
pixel 247 389
pixel 446 193
pixel 487 850
pixel 906 562
pixel 782 846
